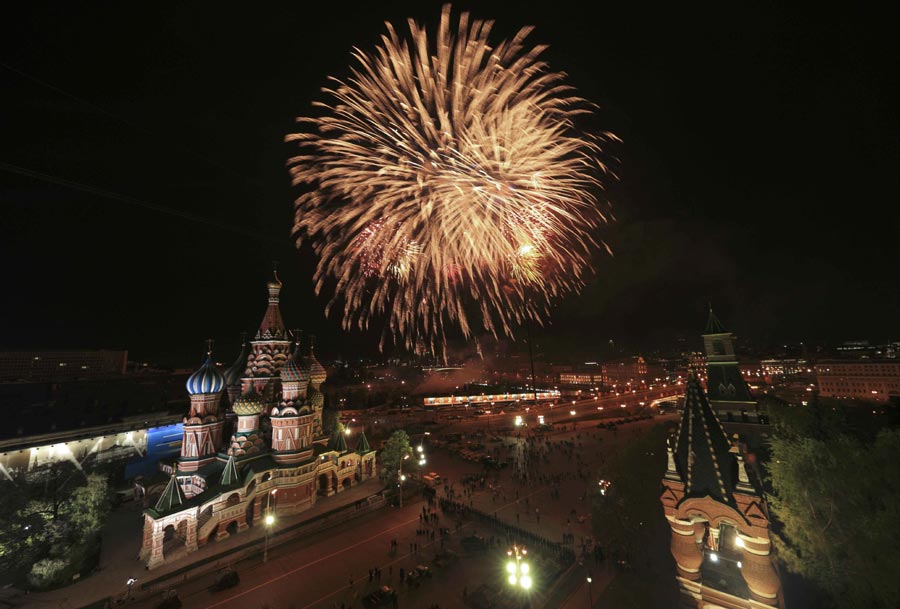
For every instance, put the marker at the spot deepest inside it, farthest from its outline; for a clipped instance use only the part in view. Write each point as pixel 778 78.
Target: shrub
pixel 47 572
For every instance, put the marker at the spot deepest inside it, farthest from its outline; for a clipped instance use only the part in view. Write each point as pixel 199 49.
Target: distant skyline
pixel 756 168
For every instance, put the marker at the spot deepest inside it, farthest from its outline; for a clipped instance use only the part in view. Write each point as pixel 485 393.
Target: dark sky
pixel 758 168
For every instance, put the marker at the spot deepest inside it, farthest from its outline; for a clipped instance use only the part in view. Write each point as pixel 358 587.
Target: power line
pixel 114 196
pixel 109 114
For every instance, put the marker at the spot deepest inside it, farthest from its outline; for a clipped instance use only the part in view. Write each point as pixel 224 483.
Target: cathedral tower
pixel 292 419
pixel 202 431
pixel 269 349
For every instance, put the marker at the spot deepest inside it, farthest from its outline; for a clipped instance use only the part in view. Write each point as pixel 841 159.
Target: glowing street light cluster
pixel 518 570
pixel 604 486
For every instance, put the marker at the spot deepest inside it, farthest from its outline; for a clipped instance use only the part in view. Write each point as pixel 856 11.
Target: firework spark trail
pixel 446 185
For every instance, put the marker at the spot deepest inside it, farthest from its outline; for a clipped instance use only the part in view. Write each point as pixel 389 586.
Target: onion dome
pixel 236 370
pixel 293 372
pixel 248 404
pixel 207 379
pixel 317 373
pixel 315 398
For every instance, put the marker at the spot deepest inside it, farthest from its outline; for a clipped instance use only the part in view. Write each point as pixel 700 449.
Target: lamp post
pixel 590 593
pixel 130 583
pixel 401 478
pixel 270 520
pixel 518 570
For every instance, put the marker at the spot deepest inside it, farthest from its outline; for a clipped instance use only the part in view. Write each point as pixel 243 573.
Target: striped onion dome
pixel 248 404
pixel 207 379
pixel 317 373
pixel 315 398
pixel 294 372
pixel 236 370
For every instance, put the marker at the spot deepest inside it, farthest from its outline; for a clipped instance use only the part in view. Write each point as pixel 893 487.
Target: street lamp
pixel 401 478
pixel 518 570
pixel 270 520
pixel 590 593
pixel 131 581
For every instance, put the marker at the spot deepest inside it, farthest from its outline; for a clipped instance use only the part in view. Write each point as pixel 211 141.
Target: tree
pixel 627 515
pixel 56 514
pixel 836 501
pixel 331 422
pixel 629 523
pixel 88 505
pixel 395 449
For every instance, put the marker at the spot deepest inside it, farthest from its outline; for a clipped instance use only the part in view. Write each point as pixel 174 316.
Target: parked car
pixel 226 578
pixel 169 600
pixel 474 543
pixel 379 597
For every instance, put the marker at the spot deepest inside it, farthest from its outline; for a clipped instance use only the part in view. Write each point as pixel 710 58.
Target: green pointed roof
pixel 713 325
pixel 171 497
pixel 702 449
pixel 363 445
pixel 230 475
pixel 339 443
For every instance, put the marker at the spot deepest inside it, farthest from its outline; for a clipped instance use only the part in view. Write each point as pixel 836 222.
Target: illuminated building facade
pixel 718 515
pixel 494 398
pixel 60 365
pixel 868 380
pixel 275 460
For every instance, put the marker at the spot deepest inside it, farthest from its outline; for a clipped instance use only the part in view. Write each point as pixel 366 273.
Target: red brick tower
pixel 718 516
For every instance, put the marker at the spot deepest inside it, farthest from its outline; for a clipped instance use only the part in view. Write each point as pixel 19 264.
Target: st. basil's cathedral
pixel 276 458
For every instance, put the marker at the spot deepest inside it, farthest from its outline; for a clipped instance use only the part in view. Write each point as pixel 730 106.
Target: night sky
pixel 758 169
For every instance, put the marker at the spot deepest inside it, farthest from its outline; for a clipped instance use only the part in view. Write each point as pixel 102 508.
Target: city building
pixel 275 460
pixel 718 515
pixel 632 370
pixel 866 379
pixel 728 393
pixel 60 365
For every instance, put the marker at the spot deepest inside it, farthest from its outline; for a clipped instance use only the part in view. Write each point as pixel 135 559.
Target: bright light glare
pixel 513 580
pixel 739 542
pixel 526 582
pixel 510 567
pixel 524 567
pixel 270 520
pixel 714 557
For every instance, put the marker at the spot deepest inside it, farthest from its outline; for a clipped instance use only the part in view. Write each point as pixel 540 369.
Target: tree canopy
pixel 836 501
pixel 395 449
pixel 50 523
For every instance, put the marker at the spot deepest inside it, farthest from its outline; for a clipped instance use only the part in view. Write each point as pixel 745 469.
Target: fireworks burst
pixel 447 186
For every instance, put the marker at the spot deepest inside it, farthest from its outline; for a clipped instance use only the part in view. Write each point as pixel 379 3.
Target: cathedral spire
pixel 272 325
